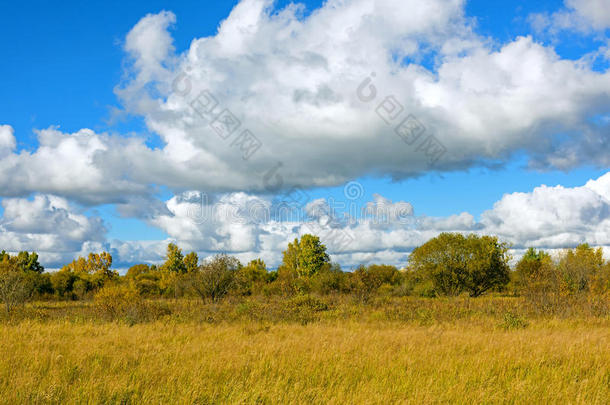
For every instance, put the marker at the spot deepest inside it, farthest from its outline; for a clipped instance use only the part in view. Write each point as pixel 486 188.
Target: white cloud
pixel 586 16
pixel 150 44
pixel 84 166
pixel 597 12
pixel 553 217
pixel 51 226
pixel 292 81
pixel 7 140
pixel 548 217
pixel 249 226
pixel 49 214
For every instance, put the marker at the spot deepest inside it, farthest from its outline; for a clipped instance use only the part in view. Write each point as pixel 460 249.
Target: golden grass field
pixel 331 359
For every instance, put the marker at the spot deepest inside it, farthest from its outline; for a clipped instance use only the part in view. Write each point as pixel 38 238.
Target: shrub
pixel 82 287
pixel 456 263
pixel 513 321
pixel 600 282
pixel 213 279
pixel 305 308
pixel 147 285
pixel 63 282
pixel 122 302
pixel 307 302
pixel 251 278
pixel 331 279
pixel 13 288
pixel 578 267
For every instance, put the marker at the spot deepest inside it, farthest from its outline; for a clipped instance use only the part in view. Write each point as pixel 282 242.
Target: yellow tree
pixel 577 267
pixel 191 261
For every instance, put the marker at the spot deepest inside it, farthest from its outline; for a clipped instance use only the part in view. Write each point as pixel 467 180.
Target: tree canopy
pixel 455 263
pixel 305 257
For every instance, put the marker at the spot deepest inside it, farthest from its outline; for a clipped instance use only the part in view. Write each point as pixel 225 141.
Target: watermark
pixel 293 203
pixel 405 125
pixel 219 118
pixel 326 227
pixel 331 219
pixel 228 127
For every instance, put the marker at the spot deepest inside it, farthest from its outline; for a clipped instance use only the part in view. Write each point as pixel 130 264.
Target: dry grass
pixel 336 359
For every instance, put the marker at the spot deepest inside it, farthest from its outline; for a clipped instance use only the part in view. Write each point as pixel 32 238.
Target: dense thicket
pixel 448 265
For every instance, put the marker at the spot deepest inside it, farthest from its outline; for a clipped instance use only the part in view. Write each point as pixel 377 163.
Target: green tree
pixel 63 282
pixel 191 261
pixel 174 260
pixel 331 279
pixel 534 271
pixel 214 278
pixel 305 257
pixel 29 262
pixel 537 279
pixel 252 276
pixel 455 263
pixel 367 280
pixel 98 266
pixel 145 278
pixel 84 275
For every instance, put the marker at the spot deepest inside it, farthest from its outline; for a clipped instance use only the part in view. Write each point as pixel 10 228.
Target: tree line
pixel 450 264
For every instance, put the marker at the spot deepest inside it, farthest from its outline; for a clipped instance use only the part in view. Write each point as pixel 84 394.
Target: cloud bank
pixel 250 226
pixel 314 92
pixel 278 99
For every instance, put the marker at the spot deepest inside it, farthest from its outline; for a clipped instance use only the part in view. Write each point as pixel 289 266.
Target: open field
pixel 458 350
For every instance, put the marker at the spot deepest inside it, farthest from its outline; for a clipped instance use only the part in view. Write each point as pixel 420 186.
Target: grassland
pixel 488 350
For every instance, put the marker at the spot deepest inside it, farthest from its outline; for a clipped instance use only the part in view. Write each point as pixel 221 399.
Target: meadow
pixel 458 325
pixel 316 349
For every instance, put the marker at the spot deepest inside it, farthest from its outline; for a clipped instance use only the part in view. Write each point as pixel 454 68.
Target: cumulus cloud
pixel 553 217
pixel 293 83
pixel 382 230
pixel 150 44
pixel 595 11
pixel 276 99
pixel 577 15
pixel 7 140
pixel 84 166
pixel 250 226
pixel 51 226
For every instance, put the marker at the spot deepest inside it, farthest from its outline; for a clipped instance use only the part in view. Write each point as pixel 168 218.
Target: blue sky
pixel 63 61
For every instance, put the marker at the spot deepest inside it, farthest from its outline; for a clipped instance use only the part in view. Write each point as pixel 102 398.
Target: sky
pixel 235 127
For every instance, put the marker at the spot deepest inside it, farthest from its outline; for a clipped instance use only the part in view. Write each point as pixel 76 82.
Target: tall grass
pixel 318 349
pixel 550 361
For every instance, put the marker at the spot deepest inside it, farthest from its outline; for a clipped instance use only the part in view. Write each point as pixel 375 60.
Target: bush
pixel 513 321
pixel 82 288
pixel 307 302
pixel 330 279
pixel 305 308
pixel 63 282
pixel 121 302
pixel 147 285
pixel 213 279
pixel 424 289
pixel 251 278
pixel 456 263
pixel 14 289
